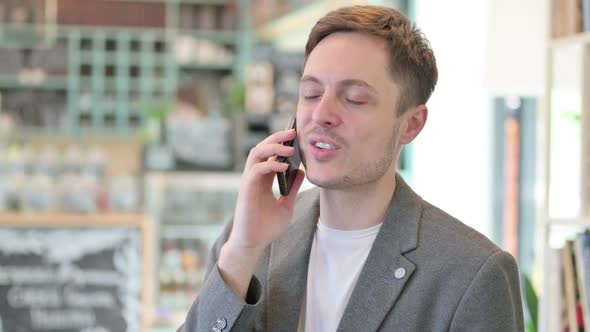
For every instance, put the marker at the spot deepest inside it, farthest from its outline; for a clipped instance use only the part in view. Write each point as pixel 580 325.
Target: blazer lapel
pixel 289 259
pixel 386 270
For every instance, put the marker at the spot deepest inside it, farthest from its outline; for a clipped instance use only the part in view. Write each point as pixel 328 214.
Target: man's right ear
pixel 413 120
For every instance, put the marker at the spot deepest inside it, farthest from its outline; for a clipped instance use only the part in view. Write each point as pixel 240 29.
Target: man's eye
pixel 355 102
pixel 311 97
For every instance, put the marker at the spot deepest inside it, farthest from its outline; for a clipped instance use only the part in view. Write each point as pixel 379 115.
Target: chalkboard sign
pixel 66 279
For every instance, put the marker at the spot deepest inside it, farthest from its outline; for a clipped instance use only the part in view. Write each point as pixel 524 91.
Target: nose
pixel 325 113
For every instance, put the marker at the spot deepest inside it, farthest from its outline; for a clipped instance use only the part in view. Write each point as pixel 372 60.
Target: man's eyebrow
pixel 359 83
pixel 347 82
pixel 308 78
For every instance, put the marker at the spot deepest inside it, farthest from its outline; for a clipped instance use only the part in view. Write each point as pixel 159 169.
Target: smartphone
pixel 287 177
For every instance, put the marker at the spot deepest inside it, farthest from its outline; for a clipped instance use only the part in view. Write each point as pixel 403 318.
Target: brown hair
pixel 411 60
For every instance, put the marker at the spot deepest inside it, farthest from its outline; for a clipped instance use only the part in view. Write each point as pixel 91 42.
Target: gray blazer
pixel 455 278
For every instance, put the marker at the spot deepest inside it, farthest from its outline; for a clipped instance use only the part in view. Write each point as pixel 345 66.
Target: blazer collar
pixel 386 270
pixel 377 288
pixel 289 259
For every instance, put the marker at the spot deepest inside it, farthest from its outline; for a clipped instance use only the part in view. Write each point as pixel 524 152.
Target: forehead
pixel 350 55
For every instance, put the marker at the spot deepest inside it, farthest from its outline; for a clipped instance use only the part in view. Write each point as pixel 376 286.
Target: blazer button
pixel 221 323
pixel 400 273
pixel 215 329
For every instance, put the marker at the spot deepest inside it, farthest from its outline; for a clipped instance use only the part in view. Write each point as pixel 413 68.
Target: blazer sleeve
pixel 217 307
pixel 492 301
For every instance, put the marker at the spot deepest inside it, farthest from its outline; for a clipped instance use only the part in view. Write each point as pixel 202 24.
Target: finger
pixel 271 166
pixel 263 152
pixel 280 137
pixel 290 199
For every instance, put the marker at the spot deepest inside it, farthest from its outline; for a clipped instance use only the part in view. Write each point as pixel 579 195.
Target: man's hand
pixel 260 217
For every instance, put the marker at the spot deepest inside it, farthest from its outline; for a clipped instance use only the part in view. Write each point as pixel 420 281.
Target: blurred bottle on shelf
pixel 72 181
pixel 72 160
pixel 13 185
pixel 48 163
pixel 79 193
pixel 95 162
pixel 38 194
pixel 124 194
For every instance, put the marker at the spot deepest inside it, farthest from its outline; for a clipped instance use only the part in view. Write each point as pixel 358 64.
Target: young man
pixel 362 252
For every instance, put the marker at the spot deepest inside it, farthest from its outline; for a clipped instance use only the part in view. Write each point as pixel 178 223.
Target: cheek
pixel 375 139
pixel 303 114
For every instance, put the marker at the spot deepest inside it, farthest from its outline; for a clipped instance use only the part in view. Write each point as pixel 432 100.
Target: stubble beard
pixel 365 172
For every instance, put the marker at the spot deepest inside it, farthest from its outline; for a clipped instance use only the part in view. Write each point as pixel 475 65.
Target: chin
pixel 318 181
pixel 323 184
pixel 334 183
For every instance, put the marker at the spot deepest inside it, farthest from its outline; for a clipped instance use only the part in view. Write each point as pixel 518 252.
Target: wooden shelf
pixel 13 219
pixel 207 66
pixel 201 180
pixel 191 2
pixel 573 222
pixel 50 82
pixel 219 36
pixel 136 58
pixel 582 38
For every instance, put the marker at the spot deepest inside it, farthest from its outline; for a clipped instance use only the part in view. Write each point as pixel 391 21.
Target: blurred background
pixel 125 125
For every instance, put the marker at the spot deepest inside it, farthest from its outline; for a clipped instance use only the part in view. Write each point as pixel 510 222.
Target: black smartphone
pixel 287 177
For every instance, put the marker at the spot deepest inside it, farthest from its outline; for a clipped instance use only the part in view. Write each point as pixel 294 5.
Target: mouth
pixel 323 148
pixel 323 143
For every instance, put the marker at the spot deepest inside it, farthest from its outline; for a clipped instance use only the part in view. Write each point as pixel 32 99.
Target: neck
pixel 363 207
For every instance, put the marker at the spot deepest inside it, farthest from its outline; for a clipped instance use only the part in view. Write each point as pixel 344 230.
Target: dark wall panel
pixel 111 13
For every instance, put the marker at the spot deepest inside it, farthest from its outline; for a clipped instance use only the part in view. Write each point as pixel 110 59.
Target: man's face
pixel 346 115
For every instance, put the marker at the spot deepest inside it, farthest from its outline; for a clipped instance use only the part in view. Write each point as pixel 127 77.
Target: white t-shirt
pixel 335 262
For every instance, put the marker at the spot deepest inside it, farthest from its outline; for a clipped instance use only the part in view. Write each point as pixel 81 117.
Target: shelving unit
pixel 105 79
pixel 565 119
pixel 189 211
pixel 114 75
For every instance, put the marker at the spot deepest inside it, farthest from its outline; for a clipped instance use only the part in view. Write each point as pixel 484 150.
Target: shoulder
pixel 453 259
pixel 436 224
pixel 456 244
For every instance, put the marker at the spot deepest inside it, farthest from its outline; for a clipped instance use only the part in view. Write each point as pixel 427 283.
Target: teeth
pixel 323 145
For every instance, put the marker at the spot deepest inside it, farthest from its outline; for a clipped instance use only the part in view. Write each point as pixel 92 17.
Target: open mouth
pixel 324 146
